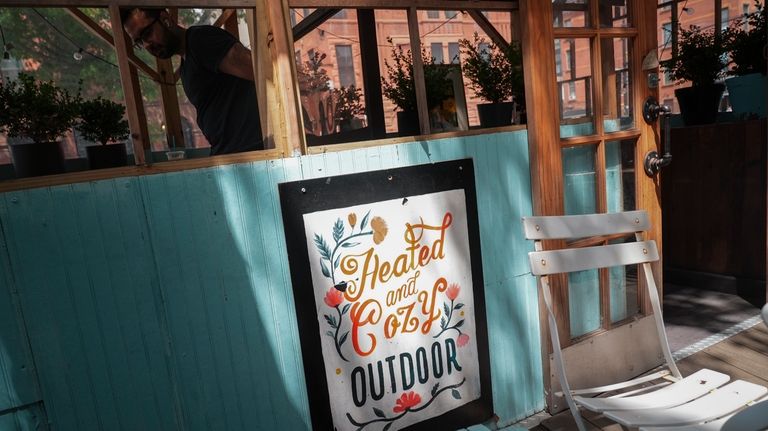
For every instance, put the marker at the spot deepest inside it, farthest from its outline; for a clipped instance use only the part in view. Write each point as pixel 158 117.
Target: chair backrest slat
pixel 580 259
pixel 581 226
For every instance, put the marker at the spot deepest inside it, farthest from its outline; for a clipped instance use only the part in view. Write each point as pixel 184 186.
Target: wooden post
pixel 230 24
pixel 418 71
pixel 170 100
pixel 137 119
pixel 258 31
pixel 369 57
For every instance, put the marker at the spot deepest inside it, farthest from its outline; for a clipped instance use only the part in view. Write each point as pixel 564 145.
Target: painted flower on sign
pixel 379 227
pixel 352 218
pixel 453 291
pixel 334 297
pixel 406 401
pixel 462 340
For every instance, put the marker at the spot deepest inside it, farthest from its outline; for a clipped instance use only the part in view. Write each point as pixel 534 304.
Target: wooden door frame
pixel 545 148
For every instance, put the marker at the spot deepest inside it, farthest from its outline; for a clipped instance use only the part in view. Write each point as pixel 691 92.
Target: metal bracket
pixel 652 109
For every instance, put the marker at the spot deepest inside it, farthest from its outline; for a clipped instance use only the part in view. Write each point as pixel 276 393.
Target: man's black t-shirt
pixel 227 110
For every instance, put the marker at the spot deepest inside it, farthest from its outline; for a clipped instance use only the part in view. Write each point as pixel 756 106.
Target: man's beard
pixel 171 46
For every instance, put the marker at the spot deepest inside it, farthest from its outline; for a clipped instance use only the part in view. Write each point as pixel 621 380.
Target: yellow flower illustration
pixel 352 218
pixel 379 227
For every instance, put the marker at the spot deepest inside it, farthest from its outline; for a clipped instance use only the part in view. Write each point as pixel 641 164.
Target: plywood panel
pixel 181 280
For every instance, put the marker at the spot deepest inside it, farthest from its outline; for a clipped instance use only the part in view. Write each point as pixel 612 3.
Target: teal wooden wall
pixel 164 302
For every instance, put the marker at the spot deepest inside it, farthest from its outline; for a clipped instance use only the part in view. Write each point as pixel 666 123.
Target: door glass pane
pixel 580 192
pixel 622 281
pixel 617 84
pixel 620 175
pixel 574 83
pixel 614 13
pixel 584 301
pixel 571 13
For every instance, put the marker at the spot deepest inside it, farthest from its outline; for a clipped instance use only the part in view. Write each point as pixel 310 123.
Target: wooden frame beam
pixel 315 4
pixel 488 28
pixel 102 34
pixel 418 71
pixel 312 21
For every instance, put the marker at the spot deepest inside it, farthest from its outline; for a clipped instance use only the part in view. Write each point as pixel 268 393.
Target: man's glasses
pixel 138 43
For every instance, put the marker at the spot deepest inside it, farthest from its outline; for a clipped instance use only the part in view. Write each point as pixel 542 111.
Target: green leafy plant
pixel 746 46
pixel 700 57
pixel 311 75
pixel 495 74
pixel 399 85
pixel 38 110
pixel 101 120
pixel 347 103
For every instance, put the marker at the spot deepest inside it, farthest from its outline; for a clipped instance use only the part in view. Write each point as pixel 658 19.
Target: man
pixel 216 72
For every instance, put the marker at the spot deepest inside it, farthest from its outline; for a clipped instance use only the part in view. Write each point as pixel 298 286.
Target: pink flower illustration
pixel 462 340
pixel 334 297
pixel 406 401
pixel 453 291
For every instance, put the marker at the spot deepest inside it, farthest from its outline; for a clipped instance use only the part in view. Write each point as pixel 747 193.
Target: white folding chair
pixel 696 399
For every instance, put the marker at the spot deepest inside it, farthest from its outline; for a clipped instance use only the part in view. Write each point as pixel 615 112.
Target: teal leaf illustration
pixel 459 306
pixel 461 322
pixel 324 268
pixel 350 244
pixel 365 221
pixel 442 322
pixel 338 230
pixel 345 309
pixel 336 263
pixel 333 321
pixel 446 309
pixel 329 333
pixel 379 413
pixel 328 319
pixel 456 394
pixel 434 389
pixel 322 247
pixel 386 427
pixel 343 338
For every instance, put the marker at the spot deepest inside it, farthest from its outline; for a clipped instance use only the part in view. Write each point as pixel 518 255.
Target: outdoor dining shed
pixel 352 275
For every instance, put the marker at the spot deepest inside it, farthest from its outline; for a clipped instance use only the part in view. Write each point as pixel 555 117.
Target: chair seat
pixel 680 392
pixel 714 405
pixel 752 418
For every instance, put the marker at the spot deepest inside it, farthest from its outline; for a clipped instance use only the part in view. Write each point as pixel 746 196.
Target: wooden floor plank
pixel 740 356
pixel 753 338
pixel 701 360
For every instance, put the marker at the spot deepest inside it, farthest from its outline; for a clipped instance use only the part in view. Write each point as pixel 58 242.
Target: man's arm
pixel 237 62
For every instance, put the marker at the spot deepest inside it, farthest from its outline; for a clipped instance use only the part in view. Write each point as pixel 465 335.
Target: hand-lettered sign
pixel 389 296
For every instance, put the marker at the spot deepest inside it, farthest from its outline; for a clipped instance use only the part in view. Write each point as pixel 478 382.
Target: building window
pixel 437 52
pixel 724 16
pixel 666 33
pixel 293 18
pixel 744 12
pixel 433 14
pixel 342 14
pixel 667 78
pixel 485 51
pixel 571 90
pixel 345 64
pixel 453 52
pixel 558 60
pixel 450 14
pixel 297 57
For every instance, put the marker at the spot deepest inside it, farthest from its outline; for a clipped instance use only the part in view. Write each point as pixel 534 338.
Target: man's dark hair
pixel 152 12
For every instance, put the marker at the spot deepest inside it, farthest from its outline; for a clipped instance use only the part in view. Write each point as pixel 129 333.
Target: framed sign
pixel 388 286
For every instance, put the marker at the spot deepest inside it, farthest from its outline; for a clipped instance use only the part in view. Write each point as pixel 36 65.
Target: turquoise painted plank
pixel 18 382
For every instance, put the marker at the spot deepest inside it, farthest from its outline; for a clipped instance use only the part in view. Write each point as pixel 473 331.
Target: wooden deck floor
pixel 743 356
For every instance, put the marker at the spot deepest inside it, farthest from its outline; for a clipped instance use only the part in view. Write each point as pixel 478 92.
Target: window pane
pixel 584 302
pixel 453 53
pixel 345 65
pixel 614 13
pixel 574 77
pixel 620 175
pixel 450 14
pixel 580 191
pixel 571 13
pixel 617 85
pixel 622 282
pixel 437 52
pixel 433 14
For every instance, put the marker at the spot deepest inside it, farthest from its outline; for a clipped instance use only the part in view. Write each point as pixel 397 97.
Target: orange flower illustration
pixel 462 340
pixel 453 291
pixel 334 297
pixel 406 401
pixel 352 218
pixel 379 227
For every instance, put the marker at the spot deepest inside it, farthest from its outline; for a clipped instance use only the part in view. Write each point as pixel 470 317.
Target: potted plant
pixel 700 60
pixel 400 89
pixel 347 107
pixel 314 90
pixel 39 112
pixel 102 122
pixel 496 76
pixel 746 39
